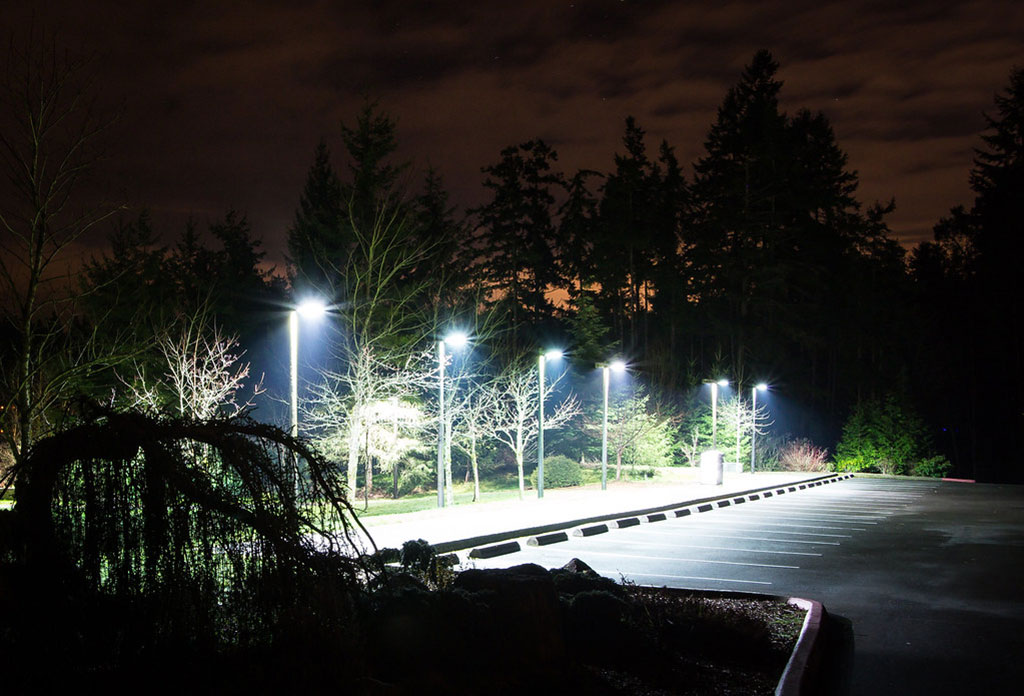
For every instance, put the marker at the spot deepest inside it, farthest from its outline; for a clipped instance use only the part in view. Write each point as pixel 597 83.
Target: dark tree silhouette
pixel 969 286
pixel 316 234
pixel 517 240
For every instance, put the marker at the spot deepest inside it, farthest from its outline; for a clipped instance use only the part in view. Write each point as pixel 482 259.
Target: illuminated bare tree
pixel 738 421
pixel 345 407
pixel 630 419
pixel 514 418
pixel 474 410
pixel 378 331
pixel 203 378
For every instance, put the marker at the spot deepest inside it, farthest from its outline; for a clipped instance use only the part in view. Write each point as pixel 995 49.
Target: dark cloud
pixel 224 103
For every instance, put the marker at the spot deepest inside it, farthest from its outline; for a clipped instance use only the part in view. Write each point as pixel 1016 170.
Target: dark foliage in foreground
pixel 140 541
pixel 165 554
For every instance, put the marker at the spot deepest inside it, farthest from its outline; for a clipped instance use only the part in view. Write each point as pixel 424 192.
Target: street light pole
pixel 308 309
pixel 542 360
pixel 456 339
pixel 604 431
pixel 714 410
pixel 739 424
pixel 440 424
pixel 753 421
pixel 293 340
pixel 618 366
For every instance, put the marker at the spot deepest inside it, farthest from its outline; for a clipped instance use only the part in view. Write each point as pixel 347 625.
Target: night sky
pixel 223 103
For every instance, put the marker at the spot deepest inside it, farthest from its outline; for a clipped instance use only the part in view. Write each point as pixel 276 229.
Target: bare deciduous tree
pixel 630 419
pixel 343 407
pixel 739 421
pixel 474 411
pixel 49 133
pixel 514 419
pixel 203 378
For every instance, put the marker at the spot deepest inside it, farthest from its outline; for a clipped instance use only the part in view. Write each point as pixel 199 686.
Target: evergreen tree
pixel 316 245
pixel 576 229
pixel 447 252
pixel 373 186
pixel 791 276
pixel 672 284
pixel 968 283
pixel 517 239
pixel 624 243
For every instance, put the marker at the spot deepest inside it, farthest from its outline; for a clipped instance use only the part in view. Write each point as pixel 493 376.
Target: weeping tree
pixel 125 513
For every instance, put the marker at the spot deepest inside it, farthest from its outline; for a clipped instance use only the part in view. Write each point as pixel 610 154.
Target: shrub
pixel 856 463
pixel 884 435
pixel 640 473
pixel 559 472
pixel 802 455
pixel 414 476
pixel 936 467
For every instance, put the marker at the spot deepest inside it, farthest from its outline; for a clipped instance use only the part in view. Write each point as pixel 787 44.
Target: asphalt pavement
pixel 463 527
pixel 921 579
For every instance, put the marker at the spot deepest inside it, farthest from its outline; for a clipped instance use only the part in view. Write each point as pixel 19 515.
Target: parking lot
pixel 921 578
pixel 756 543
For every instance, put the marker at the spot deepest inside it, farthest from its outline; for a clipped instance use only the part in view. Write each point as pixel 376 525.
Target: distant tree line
pixel 761 265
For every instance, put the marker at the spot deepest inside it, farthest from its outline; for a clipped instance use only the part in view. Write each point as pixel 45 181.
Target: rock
pixel 524 602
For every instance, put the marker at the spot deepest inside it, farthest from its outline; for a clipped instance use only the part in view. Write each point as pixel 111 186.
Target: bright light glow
pixel 553 355
pixel 762 387
pixel 722 383
pixel 311 309
pixel 618 366
pixel 457 339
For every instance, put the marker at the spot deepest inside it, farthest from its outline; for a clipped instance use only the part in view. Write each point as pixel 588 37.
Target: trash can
pixel 711 468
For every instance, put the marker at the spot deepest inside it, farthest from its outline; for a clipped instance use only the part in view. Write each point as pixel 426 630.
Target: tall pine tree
pixel 517 235
pixel 316 244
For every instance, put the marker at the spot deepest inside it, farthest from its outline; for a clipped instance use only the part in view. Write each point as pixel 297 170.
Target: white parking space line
pixel 644 557
pixel 614 574
pixel 872 508
pixel 697 533
pixel 828 504
pixel 823 507
pixel 760 527
pixel 720 548
pixel 757 516
pixel 806 522
pixel 828 512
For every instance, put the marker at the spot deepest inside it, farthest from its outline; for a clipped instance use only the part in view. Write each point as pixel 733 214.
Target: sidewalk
pixel 465 526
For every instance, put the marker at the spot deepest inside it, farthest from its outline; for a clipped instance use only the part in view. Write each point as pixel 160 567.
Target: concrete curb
pixel 803 662
pixel 492 546
pixel 495 550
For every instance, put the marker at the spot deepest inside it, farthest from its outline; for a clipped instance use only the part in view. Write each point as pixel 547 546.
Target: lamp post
pixel 307 309
pixel 456 339
pixel 617 366
pixel 542 360
pixel 753 420
pixel 714 410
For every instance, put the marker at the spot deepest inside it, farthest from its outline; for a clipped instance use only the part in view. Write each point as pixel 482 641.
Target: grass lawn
pixel 497 490
pixel 428 501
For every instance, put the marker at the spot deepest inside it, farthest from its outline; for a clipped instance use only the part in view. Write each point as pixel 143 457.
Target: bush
pixel 935 467
pixel 559 472
pixel 856 463
pixel 884 435
pixel 802 455
pixel 640 473
pixel 414 476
